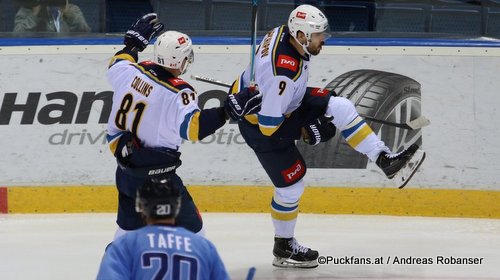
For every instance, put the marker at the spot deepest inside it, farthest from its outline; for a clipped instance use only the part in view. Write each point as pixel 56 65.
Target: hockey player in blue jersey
pixel 161 250
pixel 153 111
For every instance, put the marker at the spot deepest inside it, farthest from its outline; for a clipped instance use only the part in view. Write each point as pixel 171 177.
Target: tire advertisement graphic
pixel 54 127
pixel 381 95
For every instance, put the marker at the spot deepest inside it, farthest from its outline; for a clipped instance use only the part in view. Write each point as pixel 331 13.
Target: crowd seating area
pixel 468 18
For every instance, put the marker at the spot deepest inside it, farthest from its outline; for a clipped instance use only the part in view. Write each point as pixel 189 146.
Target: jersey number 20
pixel 125 106
pixel 163 267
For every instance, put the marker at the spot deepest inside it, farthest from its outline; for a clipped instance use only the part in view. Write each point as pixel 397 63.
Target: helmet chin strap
pixel 185 67
pixel 304 46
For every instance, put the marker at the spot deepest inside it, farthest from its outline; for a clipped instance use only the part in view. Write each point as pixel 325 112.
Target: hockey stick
pixel 210 81
pixel 411 125
pixel 254 43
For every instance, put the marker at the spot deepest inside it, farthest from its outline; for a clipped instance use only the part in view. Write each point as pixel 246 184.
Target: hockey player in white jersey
pixel 153 111
pixel 160 250
pixel 291 111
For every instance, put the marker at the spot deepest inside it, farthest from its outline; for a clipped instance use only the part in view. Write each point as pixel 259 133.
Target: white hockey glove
pixel 318 130
pixel 245 102
pixel 142 32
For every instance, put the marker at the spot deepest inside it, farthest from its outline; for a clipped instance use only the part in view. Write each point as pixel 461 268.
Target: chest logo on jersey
pixel 287 62
pixel 294 172
pixel 319 92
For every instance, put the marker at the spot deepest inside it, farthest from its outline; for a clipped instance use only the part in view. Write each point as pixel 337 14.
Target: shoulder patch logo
pixel 319 92
pixel 301 15
pixel 176 81
pixel 288 62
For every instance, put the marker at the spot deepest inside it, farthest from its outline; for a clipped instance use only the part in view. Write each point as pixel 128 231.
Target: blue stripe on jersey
pixel 184 131
pixel 282 208
pixel 346 133
pixel 110 138
pixel 270 121
pixel 113 141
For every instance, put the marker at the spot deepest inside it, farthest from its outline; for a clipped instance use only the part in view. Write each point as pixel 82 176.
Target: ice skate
pixel 289 253
pixel 402 165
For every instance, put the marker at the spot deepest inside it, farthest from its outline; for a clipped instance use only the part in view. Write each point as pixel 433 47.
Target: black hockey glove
pixel 245 102
pixel 319 130
pixel 142 31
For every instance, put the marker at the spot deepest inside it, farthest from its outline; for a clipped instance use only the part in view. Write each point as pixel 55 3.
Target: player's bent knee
pixel 342 110
pixel 289 194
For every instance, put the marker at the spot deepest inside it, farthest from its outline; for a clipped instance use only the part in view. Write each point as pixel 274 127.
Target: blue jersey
pixel 161 252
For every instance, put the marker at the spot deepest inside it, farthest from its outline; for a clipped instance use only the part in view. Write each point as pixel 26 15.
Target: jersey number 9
pixel 282 87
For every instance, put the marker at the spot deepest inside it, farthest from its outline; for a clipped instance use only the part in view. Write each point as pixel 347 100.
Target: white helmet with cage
pixel 172 48
pixel 307 19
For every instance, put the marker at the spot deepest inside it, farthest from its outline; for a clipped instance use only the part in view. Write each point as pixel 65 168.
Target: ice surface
pixel 70 246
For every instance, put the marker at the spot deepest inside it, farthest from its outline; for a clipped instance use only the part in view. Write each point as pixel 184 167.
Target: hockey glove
pixel 319 130
pixel 142 31
pixel 245 102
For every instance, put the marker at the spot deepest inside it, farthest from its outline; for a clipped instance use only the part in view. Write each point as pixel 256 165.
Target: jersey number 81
pixel 122 113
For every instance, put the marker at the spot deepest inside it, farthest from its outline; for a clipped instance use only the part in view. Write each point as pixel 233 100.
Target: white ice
pixel 70 246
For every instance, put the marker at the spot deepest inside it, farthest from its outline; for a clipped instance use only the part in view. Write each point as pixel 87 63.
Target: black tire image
pixel 382 95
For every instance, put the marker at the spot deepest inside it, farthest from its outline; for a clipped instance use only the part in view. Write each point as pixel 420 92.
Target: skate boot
pixel 401 165
pixel 289 253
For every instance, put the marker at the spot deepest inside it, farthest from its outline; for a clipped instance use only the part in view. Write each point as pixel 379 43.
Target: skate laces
pixel 296 247
pixel 392 156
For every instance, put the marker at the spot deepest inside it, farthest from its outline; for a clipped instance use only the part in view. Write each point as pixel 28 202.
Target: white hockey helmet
pixel 172 48
pixel 308 19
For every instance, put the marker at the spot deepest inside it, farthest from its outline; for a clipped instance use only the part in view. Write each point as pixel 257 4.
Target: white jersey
pixel 148 101
pixel 281 74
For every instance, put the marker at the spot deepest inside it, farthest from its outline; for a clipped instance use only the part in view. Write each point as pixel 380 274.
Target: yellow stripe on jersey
pixel 194 127
pixel 276 41
pixel 122 56
pixel 235 88
pixel 155 79
pixel 297 76
pixel 268 130
pixel 253 119
pixel 113 141
pixel 113 145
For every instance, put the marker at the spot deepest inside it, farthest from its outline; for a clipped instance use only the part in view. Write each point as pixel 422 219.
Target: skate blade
pixel 411 167
pixel 289 263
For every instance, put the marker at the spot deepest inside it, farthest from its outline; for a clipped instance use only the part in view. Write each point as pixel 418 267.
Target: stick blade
pixel 419 123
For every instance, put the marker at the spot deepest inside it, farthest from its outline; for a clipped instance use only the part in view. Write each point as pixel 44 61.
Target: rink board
pixel 322 200
pixel 55 162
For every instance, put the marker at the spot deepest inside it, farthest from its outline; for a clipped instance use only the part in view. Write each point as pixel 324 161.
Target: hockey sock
pixel 354 129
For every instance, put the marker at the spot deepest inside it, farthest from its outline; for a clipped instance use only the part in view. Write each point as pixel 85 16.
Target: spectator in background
pixel 49 16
